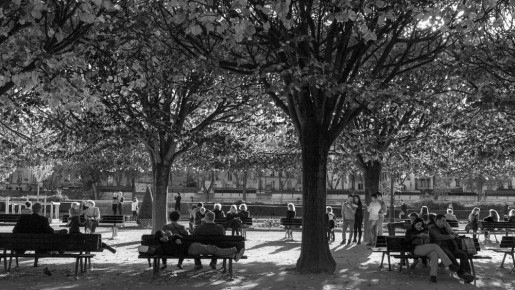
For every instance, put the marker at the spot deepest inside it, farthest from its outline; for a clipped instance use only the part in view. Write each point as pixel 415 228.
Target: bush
pixel 145 212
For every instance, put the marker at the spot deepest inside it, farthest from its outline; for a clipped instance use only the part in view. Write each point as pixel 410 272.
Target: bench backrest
pixel 507 242
pixel 245 221
pixel 381 242
pixel 223 241
pixel 453 223
pixel 396 244
pixel 291 222
pixel 498 225
pixel 9 218
pixel 51 242
pixel 66 218
pixel 111 219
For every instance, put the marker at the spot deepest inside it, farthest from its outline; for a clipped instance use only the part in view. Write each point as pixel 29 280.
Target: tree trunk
pixel 315 256
pixel 372 172
pixel 161 174
pixel 95 190
pixel 392 200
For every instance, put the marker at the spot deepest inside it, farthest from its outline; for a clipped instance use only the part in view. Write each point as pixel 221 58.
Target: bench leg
pixel 473 270
pixel 149 263
pixel 382 259
pixel 10 263
pixel 77 261
pixel 230 270
pixel 35 261
pixel 5 261
pixel 224 266
pixel 513 259
pixel 115 232
pixel 17 263
pixel 504 258
pixel 389 264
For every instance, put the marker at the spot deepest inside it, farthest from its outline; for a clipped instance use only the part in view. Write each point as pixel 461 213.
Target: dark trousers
pixel 357 228
pixel 115 208
pixel 178 206
pixel 455 254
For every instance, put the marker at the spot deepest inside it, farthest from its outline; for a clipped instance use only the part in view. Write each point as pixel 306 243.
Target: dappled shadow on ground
pixel 280 245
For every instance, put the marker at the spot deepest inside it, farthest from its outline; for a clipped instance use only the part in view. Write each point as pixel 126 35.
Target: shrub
pixel 145 212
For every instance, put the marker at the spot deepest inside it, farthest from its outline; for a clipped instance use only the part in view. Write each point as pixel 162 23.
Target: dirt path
pixel 270 259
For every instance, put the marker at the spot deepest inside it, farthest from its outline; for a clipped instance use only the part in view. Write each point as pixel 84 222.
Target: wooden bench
pixel 506 247
pixel 9 219
pixel 380 248
pixel 245 222
pixel 397 247
pixel 403 225
pixel 53 245
pixel 66 218
pixel 155 259
pixel 498 227
pixel 293 223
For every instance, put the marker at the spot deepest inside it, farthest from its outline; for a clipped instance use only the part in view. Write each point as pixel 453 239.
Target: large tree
pixel 321 62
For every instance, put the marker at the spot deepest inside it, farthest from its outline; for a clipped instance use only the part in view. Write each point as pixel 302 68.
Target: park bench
pixel 398 248
pixel 403 225
pixel 506 247
pixel 498 227
pixel 78 247
pixel 9 219
pixel 293 223
pixel 380 248
pixel 155 259
pixel 245 224
pixel 112 221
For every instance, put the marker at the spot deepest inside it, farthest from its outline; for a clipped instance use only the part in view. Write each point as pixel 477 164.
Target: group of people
pixel 233 217
pixel 352 212
pixel 171 238
pixel 32 222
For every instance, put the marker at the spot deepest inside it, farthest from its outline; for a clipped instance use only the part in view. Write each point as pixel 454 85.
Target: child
pixel 290 214
pixel 329 219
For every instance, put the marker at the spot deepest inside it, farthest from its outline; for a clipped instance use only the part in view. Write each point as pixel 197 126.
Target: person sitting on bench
pixel 74 218
pixel 418 238
pixel 210 228
pixel 440 235
pixel 28 208
pixel 233 220
pixel 169 245
pixel 34 224
pixel 91 217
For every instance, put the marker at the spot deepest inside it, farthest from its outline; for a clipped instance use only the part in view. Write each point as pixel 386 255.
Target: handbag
pixel 146 250
pixel 467 245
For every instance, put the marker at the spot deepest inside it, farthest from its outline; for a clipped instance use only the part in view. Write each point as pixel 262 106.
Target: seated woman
pixel 233 220
pixel 168 238
pixel 511 216
pixel 217 210
pixel 91 217
pixel 473 221
pixel 75 212
pixel 493 216
pixel 199 216
pixel 244 213
pixel 418 237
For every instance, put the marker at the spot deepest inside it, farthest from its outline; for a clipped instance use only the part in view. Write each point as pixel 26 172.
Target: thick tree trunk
pixel 315 256
pixel 372 172
pixel 161 174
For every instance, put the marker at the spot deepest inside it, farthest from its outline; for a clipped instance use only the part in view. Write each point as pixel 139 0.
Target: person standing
pixel 382 213
pixel 115 203
pixel 120 203
pixel 178 202
pixel 135 208
pixel 404 211
pixel 358 219
pixel 373 217
pixel 349 217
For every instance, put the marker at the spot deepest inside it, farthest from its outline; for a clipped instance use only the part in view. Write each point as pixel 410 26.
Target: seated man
pixel 209 228
pixel 442 236
pixel 28 208
pixel 34 224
